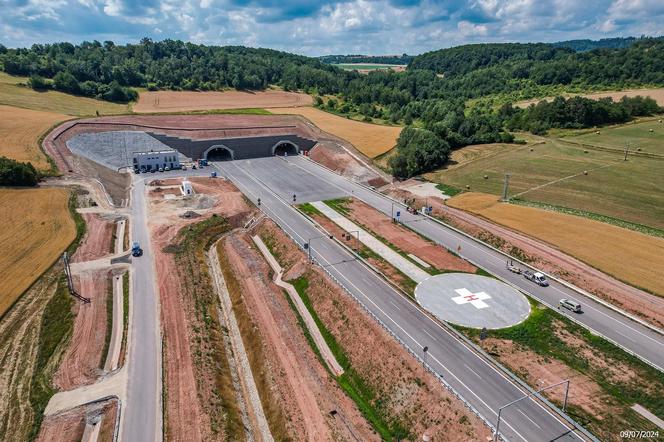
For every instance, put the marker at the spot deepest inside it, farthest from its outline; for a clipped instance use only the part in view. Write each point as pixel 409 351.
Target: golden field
pixel 20 130
pixel 630 256
pixel 370 139
pixel 37 227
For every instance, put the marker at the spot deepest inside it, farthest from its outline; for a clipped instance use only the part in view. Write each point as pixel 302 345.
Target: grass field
pixel 20 130
pixel 370 139
pixel 629 190
pixel 629 256
pixel 12 94
pixel 637 134
pixel 37 227
pixel 656 94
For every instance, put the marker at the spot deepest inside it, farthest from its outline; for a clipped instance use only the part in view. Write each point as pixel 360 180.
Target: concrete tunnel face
pixel 285 148
pixel 219 153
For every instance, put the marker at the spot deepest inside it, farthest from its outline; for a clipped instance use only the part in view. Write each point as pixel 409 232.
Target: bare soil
pixel 332 156
pixel 408 394
pixel 189 387
pixel 98 238
pixel 405 239
pixel 82 362
pixel 552 260
pixel 178 101
pixel 70 425
pixel 305 390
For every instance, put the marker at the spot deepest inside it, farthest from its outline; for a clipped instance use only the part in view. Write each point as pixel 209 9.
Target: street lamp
pixel 425 349
pixel 500 410
pixel 307 245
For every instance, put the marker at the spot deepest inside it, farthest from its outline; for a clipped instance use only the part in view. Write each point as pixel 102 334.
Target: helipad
pixel 472 300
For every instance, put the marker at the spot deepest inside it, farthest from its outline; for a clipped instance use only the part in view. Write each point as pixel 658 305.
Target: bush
pixel 15 173
pixel 66 82
pixel 38 83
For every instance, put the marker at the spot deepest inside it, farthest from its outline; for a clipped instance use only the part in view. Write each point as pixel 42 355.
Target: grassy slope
pixel 628 190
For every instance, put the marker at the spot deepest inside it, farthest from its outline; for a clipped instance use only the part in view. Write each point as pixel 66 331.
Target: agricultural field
pixel 656 94
pixel 367 67
pixel 13 93
pixel 37 227
pixel 600 245
pixel 19 129
pixel 627 190
pixel 637 134
pixel 370 139
pixel 183 101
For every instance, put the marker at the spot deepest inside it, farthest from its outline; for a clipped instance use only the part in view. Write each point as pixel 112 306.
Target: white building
pixel 147 161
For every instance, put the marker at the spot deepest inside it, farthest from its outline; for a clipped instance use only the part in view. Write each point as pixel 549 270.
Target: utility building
pixel 147 161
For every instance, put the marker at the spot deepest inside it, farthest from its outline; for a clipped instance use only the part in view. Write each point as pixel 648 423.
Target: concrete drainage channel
pixel 252 408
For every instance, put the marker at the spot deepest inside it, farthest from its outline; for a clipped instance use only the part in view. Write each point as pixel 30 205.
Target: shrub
pixel 15 173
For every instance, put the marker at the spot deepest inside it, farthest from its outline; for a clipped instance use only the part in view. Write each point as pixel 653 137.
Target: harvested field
pixel 638 134
pixel 37 229
pixel 179 101
pixel 406 396
pixel 19 346
pixel 601 245
pixel 656 94
pixel 405 239
pixel 370 139
pixel 98 239
pixel 82 361
pixel 19 132
pixel 13 94
pixel 627 190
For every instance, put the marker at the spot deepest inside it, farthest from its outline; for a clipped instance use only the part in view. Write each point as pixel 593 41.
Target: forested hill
pixel 640 63
pixel 463 59
pixel 604 43
pixel 92 66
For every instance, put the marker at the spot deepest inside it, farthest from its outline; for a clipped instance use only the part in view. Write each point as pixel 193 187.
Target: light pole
pixel 425 349
pixel 567 381
pixel 307 245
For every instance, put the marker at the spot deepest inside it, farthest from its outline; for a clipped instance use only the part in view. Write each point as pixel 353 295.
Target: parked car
pixel 161 169
pixel 166 169
pixel 193 166
pixel 571 305
pixel 536 277
pixel 183 167
pixel 153 170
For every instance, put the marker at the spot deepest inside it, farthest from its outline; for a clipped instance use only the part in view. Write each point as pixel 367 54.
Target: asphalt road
pixel 631 335
pixel 142 420
pixel 476 379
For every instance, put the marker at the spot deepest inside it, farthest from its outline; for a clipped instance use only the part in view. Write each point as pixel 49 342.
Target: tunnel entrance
pixel 284 147
pixel 219 153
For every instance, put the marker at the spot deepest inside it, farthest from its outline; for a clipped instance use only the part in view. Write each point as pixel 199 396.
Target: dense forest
pixel 603 43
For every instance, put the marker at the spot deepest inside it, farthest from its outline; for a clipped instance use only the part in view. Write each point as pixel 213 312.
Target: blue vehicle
pixel 136 250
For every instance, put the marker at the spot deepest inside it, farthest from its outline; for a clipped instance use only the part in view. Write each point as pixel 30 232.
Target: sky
pixel 321 27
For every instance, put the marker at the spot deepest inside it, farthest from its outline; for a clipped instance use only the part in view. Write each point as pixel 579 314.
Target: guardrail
pixel 506 255
pixel 455 334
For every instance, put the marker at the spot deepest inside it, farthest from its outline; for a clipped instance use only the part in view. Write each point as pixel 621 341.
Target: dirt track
pixel 98 238
pixel 179 101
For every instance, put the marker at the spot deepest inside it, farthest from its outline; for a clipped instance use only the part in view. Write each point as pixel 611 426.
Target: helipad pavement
pixel 472 300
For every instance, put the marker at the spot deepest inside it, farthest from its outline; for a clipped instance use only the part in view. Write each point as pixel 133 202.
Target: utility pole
pixel 626 149
pixel 505 187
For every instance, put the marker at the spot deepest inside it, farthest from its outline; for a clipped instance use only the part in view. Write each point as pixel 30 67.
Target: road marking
pixel 390 290
pixel 430 335
pixel 395 305
pixel 526 416
pixel 468 367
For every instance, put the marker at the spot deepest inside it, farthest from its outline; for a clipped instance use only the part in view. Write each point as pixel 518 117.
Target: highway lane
pixel 142 412
pixel 629 334
pixel 477 380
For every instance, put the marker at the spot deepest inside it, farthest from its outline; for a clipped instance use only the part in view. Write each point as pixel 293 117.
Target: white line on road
pixel 526 416
pixel 476 374
pixel 430 335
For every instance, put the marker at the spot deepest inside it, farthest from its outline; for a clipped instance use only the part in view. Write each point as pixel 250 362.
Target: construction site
pixel 251 283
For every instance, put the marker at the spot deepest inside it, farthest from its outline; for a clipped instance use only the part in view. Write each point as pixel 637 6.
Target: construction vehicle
pixel 536 277
pixel 136 250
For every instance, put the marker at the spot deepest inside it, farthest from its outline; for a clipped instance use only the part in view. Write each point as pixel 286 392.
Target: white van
pixel 570 305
